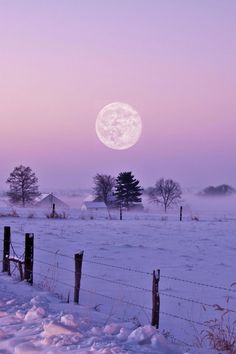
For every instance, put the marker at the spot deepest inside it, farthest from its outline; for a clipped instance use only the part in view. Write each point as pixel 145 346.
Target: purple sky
pixel 174 61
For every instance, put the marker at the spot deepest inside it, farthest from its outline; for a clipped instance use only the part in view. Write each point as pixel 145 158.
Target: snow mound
pixel 112 328
pixel 55 329
pixel 27 348
pixel 35 313
pixel 69 320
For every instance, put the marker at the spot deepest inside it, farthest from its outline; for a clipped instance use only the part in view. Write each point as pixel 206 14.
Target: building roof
pixel 48 200
pixel 94 205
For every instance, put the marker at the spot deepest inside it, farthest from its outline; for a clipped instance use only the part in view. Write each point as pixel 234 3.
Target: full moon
pixel 118 126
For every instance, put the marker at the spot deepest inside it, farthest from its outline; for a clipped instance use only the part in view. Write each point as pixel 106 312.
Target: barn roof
pixel 50 199
pixel 95 205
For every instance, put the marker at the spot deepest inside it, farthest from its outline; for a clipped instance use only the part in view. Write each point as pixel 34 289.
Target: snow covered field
pixel 36 322
pixel 119 257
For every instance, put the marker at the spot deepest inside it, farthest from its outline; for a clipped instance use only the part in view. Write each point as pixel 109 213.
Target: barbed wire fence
pixel 55 277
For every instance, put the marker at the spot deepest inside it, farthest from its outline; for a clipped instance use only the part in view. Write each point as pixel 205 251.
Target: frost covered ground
pixel 196 260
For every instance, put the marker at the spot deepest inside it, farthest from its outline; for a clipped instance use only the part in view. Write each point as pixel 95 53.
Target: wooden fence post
pixel 181 213
pixel 78 273
pixel 53 210
pixel 29 258
pixel 6 249
pixel 120 212
pixel 155 299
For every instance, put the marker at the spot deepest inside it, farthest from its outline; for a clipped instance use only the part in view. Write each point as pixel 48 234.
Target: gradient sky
pixel 61 61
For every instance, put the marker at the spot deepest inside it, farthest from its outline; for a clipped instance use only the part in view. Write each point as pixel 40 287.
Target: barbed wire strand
pixel 198 283
pixel 195 301
pixel 54 279
pixel 124 301
pixel 116 282
pixel 136 287
pixel 56 253
pixel 17 243
pixel 15 254
pixel 181 342
pixel 183 318
pixel 144 307
pixel 138 271
pixel 117 267
pixel 116 299
pixel 129 303
pixel 53 265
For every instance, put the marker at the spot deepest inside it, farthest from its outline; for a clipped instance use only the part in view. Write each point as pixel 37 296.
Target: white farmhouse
pixel 93 209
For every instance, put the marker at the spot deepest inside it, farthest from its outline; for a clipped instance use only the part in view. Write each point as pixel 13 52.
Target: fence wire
pixel 117 282
pixel 47 277
pixel 116 299
pixel 215 306
pixel 183 318
pixel 54 266
pixel 117 267
pixel 56 253
pixel 198 283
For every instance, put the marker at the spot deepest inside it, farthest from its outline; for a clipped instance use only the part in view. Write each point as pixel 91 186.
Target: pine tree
pixel 23 185
pixel 127 190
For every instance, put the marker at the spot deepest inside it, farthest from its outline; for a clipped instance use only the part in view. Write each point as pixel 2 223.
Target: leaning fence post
pixel 155 298
pixel 29 258
pixel 6 249
pixel 78 273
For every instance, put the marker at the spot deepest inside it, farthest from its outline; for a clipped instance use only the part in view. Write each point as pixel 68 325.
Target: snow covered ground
pixel 196 260
pixel 35 322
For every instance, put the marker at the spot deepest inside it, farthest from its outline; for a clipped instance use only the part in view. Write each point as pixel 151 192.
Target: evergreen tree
pixel 127 190
pixel 23 185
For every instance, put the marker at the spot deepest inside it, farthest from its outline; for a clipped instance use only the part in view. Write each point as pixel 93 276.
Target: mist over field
pixel 192 202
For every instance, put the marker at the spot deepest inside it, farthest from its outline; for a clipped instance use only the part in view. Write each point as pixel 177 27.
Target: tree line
pixel 123 191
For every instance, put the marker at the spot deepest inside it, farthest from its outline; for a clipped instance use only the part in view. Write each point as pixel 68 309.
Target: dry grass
pixel 220 333
pixel 54 215
pixel 10 214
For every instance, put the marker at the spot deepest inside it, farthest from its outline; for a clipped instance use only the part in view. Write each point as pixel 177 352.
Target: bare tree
pixel 166 192
pixel 103 189
pixel 23 185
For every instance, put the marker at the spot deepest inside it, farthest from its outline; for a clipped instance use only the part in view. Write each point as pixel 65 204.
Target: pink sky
pixel 174 61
